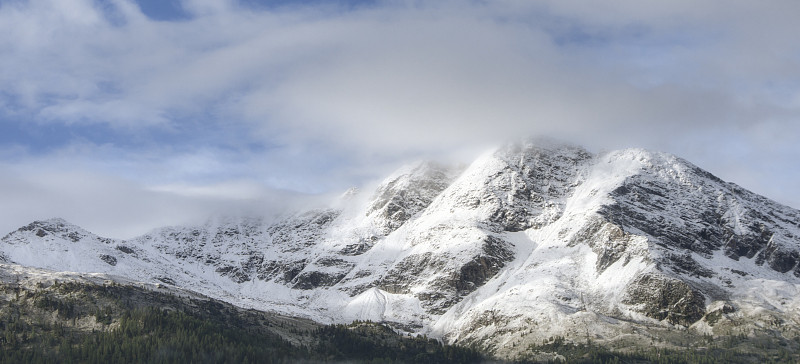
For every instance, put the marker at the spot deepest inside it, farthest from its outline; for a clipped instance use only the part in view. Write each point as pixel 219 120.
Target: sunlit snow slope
pixel 530 241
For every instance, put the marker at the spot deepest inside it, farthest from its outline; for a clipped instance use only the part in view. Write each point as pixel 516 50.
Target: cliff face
pixel 531 241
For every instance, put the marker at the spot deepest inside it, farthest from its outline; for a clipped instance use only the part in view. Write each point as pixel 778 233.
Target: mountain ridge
pixel 530 235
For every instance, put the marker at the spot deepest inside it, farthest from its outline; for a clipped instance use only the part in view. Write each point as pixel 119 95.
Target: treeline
pixel 368 341
pixel 150 335
pixel 135 325
pixel 200 332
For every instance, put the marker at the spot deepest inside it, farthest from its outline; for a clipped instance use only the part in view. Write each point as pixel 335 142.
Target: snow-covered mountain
pixel 531 241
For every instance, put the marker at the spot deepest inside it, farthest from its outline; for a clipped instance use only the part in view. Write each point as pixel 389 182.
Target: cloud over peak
pixel 317 95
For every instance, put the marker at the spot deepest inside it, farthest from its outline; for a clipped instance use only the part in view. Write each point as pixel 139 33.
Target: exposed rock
pixel 664 298
pixel 607 240
pixel 166 280
pixel 110 259
pixel 57 227
pixel 285 271
pixel 302 230
pixel 684 263
pixel 236 274
pixel 447 282
pixel 333 262
pixel 399 278
pixel 529 189
pixel 406 194
pixel 713 316
pixel 125 249
pixel 687 210
pixel 532 235
pixel 778 258
pixel 359 248
pixel 315 279
pixel 748 244
pixel 480 268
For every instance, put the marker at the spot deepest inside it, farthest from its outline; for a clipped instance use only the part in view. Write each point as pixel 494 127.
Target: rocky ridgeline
pixel 630 236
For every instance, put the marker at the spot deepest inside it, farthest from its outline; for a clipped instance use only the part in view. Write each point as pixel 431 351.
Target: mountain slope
pixel 634 249
pixel 531 241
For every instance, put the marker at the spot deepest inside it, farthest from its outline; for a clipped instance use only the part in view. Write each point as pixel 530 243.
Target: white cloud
pixel 344 93
pixel 120 208
pixel 391 74
pixel 103 205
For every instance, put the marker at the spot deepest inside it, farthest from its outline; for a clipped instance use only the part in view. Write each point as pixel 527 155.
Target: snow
pixel 380 306
pixel 550 285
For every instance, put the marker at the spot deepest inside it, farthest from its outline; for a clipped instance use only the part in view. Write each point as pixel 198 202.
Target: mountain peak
pixel 53 226
pixel 407 192
pixel 534 239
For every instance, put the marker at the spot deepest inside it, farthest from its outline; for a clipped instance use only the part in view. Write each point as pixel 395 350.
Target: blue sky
pixel 124 115
pixel 172 10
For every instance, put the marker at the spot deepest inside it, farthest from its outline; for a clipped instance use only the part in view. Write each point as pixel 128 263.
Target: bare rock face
pixel 110 259
pixel 294 239
pixel 314 279
pixel 407 193
pixel 664 298
pixel 685 209
pixel 607 240
pixel 531 189
pixel 779 258
pixel 325 271
pixel 494 255
pixel 520 186
pixel 445 281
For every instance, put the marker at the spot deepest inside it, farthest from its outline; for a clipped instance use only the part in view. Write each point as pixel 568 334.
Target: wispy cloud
pixel 318 95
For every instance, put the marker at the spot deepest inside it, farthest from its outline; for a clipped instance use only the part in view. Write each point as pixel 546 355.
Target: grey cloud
pixel 119 208
pixel 412 73
pixel 108 207
pixel 712 81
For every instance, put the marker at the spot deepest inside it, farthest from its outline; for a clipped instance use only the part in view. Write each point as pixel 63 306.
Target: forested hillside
pixel 85 323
